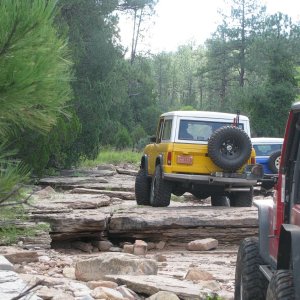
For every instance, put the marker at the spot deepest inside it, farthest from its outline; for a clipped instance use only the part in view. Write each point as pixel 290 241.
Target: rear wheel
pixel 142 188
pixel 281 286
pixel 241 199
pixel 219 200
pixel 160 195
pixel 250 283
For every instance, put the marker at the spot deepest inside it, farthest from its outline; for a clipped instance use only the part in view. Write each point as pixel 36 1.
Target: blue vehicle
pixel 268 152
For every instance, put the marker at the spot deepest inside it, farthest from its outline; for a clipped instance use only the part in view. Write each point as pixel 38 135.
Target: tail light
pixel 169 159
pixel 253 160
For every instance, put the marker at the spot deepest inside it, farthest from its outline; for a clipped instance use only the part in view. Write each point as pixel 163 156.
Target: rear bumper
pixel 210 179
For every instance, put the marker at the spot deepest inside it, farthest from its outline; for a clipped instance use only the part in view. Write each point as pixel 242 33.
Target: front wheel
pixel 250 283
pixel 160 195
pixel 281 286
pixel 142 188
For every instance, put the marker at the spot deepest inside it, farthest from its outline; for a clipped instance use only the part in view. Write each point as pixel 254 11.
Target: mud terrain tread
pixel 254 285
pixel 142 188
pixel 241 148
pixel 160 195
pixel 281 286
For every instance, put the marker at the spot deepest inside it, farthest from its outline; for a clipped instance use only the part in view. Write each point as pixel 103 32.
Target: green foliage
pixel 122 139
pixel 92 38
pixel 35 70
pixel 142 143
pixel 42 152
pixel 10 233
pixel 137 134
pixel 112 156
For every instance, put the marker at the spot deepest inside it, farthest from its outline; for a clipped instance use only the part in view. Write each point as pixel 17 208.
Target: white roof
pixel 204 114
pixel 266 140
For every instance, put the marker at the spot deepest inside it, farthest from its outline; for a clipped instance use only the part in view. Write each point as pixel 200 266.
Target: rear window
pixel 267 149
pixel 199 130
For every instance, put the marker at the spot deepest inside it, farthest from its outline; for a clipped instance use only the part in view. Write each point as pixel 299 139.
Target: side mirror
pixel 153 139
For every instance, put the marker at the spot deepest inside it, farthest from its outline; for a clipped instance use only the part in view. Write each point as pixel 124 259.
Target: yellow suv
pixel 208 154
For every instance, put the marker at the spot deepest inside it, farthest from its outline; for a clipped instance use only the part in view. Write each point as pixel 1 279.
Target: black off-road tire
pixel 161 189
pixel 274 161
pixel 281 286
pixel 250 283
pixel 229 148
pixel 241 199
pixel 219 200
pixel 142 188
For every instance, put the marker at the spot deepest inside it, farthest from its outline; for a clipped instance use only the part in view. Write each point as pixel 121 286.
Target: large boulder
pixel 114 264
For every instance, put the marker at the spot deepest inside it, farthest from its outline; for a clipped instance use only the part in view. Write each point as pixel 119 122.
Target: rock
pixel 160 258
pixel 69 272
pixel 12 286
pixel 161 245
pixel 128 248
pixel 16 256
pixel 210 284
pixel 151 246
pixel 86 247
pixel 101 283
pixel 44 258
pixel 115 249
pixel 106 167
pixel 151 284
pixel 127 172
pixel 102 245
pixel 127 293
pixel 195 274
pixel 46 192
pixel 5 264
pixel 113 263
pixel 140 247
pixel 46 293
pixel 202 245
pixel 106 293
pixel 163 296
pixel 112 194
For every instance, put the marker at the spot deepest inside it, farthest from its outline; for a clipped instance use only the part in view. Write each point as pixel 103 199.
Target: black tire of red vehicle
pixel 274 160
pixel 229 148
pixel 250 283
pixel 281 286
pixel 161 189
pixel 142 188
pixel 219 200
pixel 241 199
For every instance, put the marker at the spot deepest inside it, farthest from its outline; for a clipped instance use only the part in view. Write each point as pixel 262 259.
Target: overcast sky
pixel 179 21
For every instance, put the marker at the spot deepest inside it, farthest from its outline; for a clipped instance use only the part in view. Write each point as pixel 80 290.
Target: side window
pixel 159 130
pixel 166 134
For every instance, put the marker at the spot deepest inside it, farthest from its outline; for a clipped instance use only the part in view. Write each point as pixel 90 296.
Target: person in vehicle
pixel 183 131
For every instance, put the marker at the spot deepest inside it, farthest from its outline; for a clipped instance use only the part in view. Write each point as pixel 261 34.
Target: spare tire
pixel 274 161
pixel 229 148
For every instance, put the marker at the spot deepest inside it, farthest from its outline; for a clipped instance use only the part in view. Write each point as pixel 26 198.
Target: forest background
pixel 68 88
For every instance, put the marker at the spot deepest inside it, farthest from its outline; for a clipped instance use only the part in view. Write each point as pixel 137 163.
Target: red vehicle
pixel 268 267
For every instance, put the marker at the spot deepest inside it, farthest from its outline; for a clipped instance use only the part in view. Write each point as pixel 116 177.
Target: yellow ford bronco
pixel 208 154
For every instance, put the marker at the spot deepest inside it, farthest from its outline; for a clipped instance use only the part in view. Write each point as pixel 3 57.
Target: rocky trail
pixel 101 245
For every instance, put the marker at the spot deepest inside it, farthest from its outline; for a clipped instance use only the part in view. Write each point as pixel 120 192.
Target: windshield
pixel 199 130
pixel 266 149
